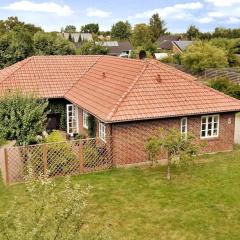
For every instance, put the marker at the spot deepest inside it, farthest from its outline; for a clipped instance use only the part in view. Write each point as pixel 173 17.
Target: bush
pixel 22 117
pixel 202 55
pixel 48 212
pixel 226 86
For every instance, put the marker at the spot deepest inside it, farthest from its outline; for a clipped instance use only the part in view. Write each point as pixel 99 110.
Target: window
pixel 184 127
pixel 102 131
pixel 72 119
pixel 85 119
pixel 210 126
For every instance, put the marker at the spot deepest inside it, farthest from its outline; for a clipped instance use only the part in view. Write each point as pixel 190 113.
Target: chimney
pixel 158 78
pixel 142 55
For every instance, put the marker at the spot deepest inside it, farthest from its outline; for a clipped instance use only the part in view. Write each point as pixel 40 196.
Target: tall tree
pixel 193 33
pixel 121 30
pixel 141 35
pixel 90 28
pixel 70 29
pixel 157 26
pixel 52 44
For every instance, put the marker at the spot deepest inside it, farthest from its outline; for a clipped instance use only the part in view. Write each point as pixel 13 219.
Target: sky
pixel 179 15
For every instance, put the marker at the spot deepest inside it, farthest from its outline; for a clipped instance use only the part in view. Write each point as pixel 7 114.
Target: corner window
pixel 184 127
pixel 102 131
pixel 210 126
pixel 72 119
pixel 85 120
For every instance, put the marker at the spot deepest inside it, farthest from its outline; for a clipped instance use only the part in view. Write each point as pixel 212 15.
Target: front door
pixel 72 119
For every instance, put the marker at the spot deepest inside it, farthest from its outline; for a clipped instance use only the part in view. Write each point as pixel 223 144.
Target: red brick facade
pixel 129 138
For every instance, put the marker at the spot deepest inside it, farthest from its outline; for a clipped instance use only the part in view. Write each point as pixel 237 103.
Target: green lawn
pixel 201 202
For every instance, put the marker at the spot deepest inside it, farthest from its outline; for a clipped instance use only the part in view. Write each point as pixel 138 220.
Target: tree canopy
pixel 70 29
pixel 90 28
pixel 202 55
pixel 91 48
pixel 193 33
pixel 121 30
pixel 157 26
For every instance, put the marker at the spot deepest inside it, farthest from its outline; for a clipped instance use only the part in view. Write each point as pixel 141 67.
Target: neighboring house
pixel 117 48
pixel 180 46
pixel 130 100
pixel 77 36
pixel 165 42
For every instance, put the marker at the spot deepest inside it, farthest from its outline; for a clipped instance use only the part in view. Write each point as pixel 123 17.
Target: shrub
pixel 226 86
pixel 202 55
pixel 48 212
pixel 22 117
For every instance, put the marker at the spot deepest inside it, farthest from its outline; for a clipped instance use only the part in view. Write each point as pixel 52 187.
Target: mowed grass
pixel 200 202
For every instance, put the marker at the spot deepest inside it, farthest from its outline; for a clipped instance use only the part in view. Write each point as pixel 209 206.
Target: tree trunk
pixel 168 169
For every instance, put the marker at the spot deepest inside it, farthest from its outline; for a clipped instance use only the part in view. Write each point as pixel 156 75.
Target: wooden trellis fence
pixel 56 159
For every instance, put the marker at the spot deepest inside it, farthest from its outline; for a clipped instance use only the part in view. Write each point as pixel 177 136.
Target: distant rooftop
pixel 182 45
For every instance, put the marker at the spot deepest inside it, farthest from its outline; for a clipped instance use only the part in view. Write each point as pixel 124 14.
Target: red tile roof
pixel 116 89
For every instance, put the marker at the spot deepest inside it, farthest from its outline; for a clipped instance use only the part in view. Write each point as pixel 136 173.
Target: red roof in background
pixel 116 89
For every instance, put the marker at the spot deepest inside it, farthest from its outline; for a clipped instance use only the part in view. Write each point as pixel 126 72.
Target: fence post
pixel 45 157
pixel 81 164
pixel 6 166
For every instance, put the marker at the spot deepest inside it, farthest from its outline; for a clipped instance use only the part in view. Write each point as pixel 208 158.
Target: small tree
pixel 178 148
pixel 22 117
pixel 48 212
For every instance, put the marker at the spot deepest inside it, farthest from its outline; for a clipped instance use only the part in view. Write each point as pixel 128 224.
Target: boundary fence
pixel 56 159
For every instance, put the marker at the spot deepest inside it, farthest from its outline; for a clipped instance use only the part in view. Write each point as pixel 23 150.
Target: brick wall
pixel 129 138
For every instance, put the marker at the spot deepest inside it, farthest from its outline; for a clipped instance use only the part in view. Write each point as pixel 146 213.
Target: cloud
pixel 223 3
pixel 176 11
pixel 205 20
pixel 47 7
pixel 94 12
pixel 234 20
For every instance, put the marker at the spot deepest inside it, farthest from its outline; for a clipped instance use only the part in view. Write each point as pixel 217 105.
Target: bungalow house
pixel 117 48
pixel 164 42
pixel 129 99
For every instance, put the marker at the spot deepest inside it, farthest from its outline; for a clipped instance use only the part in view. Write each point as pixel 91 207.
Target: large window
pixel 72 119
pixel 210 126
pixel 184 127
pixel 85 119
pixel 102 131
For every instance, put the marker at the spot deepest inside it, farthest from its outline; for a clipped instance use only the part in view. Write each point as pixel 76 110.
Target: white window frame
pixel 72 116
pixel 85 120
pixel 206 136
pixel 184 121
pixel 102 131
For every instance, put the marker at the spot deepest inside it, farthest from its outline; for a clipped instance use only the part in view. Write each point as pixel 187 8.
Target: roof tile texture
pixel 116 89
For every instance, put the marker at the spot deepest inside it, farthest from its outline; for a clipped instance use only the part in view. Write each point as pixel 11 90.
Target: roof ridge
pixel 21 64
pixel 125 94
pixel 85 72
pixel 194 80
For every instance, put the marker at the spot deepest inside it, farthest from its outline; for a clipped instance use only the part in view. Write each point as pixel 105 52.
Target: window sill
pixel 209 138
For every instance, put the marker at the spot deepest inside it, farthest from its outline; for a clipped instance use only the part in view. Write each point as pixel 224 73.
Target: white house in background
pixel 87 37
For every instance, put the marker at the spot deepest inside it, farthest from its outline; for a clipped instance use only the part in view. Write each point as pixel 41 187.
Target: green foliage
pixel 90 28
pixel 179 149
pixel 49 212
pixel 121 30
pixel 55 136
pixel 52 44
pixel 22 117
pixel 141 36
pixel 230 46
pixel 15 46
pixel 90 48
pixel 157 27
pixel 202 55
pixel 226 86
pixel 70 29
pixel 193 33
